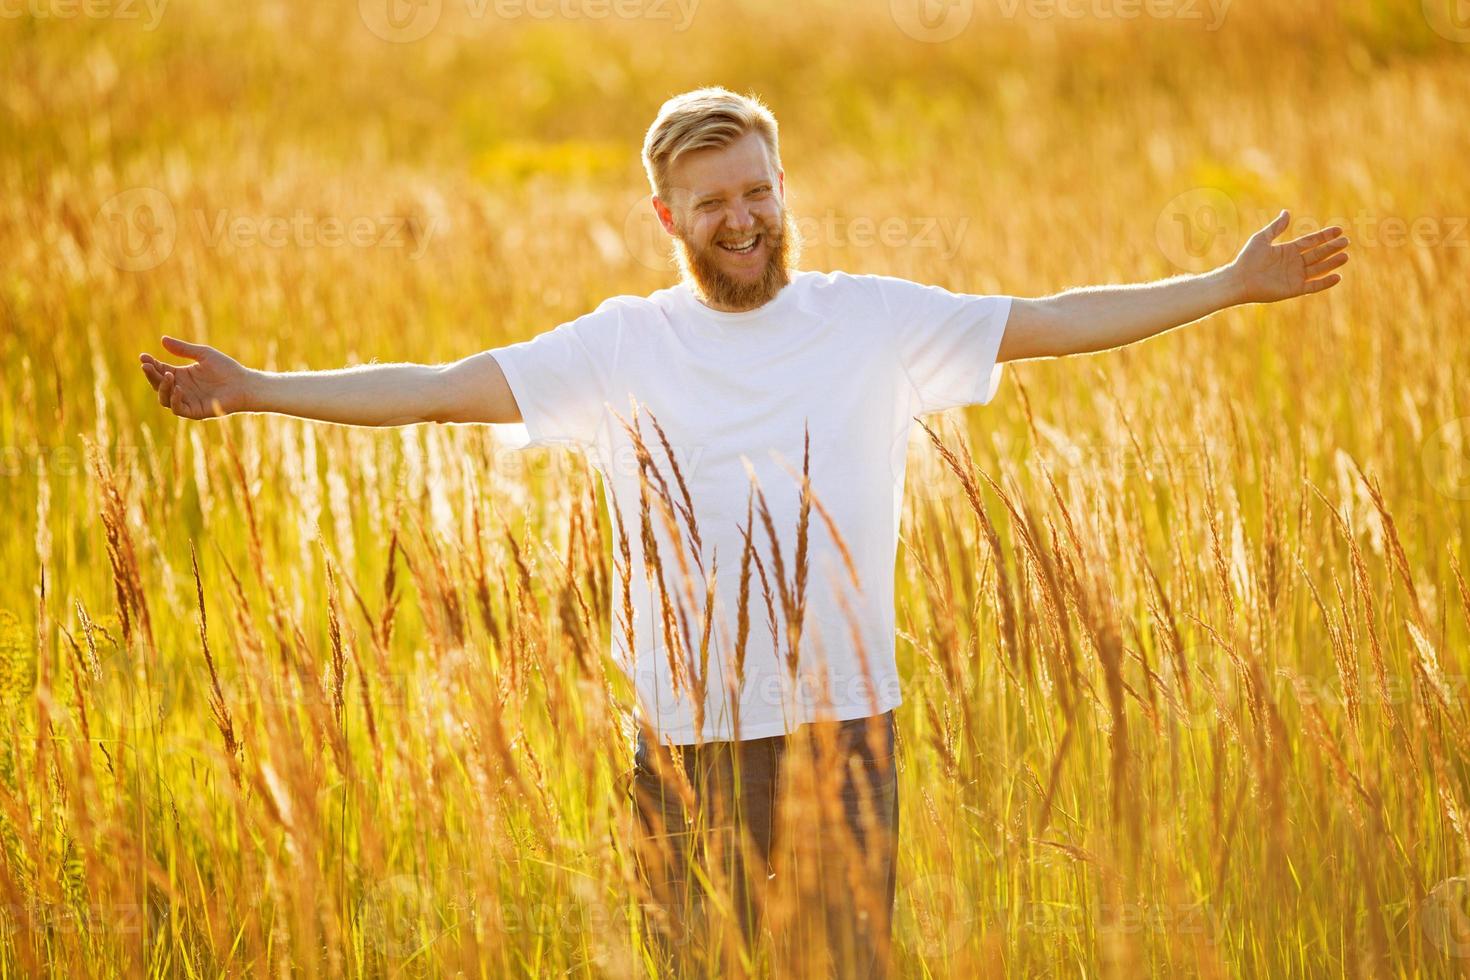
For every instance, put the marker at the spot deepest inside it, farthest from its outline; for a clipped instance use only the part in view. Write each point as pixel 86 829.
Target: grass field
pixel 1184 628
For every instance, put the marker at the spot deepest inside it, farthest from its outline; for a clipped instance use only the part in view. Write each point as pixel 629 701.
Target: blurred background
pixel 1254 766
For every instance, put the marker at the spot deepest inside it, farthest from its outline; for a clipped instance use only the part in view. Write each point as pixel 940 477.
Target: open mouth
pixel 743 246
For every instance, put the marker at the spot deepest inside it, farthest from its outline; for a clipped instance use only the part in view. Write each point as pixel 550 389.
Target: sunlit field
pixel 1184 628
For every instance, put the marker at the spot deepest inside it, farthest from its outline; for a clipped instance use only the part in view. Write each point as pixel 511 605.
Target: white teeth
pixel 744 246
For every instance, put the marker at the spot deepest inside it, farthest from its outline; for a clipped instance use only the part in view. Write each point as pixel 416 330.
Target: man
pixel 750 425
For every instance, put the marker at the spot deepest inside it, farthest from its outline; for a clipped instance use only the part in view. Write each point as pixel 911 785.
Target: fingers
pixel 183 348
pixel 155 370
pixel 147 359
pixel 1317 237
pixel 1314 255
pixel 170 395
pixel 1317 285
pixel 154 375
pixel 1326 265
pixel 1277 226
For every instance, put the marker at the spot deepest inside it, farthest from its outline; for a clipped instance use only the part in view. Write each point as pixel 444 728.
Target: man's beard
pixel 717 288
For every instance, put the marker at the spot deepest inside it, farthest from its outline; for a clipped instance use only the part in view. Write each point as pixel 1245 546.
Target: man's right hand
pixel 473 389
pixel 215 384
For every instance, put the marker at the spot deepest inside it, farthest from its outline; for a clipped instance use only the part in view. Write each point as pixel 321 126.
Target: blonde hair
pixel 700 118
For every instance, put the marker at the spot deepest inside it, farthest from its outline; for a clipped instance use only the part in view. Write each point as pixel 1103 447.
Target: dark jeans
pixel 797 832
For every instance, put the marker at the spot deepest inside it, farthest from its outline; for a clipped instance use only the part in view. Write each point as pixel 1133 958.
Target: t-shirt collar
pixel 703 314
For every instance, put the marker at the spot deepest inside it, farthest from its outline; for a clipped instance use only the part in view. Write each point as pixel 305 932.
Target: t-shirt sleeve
pixel 947 342
pixel 560 378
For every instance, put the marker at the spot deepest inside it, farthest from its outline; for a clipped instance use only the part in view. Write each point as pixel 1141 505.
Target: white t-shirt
pixel 853 358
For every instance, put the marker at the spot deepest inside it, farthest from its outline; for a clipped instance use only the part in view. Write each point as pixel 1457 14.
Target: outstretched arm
pixel 1095 318
pixel 469 390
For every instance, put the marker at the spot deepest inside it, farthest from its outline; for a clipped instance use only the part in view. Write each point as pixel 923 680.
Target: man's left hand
pixel 1264 272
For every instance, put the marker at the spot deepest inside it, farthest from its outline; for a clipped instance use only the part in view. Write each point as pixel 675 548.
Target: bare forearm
pixel 371 394
pixel 1097 318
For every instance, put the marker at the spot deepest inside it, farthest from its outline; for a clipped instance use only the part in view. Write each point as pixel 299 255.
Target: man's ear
pixel 665 216
pixel 781 183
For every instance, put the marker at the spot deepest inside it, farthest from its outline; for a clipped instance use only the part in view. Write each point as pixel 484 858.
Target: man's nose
pixel 740 218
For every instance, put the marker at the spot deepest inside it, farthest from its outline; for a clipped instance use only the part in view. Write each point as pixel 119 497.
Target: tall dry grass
pixel 1182 627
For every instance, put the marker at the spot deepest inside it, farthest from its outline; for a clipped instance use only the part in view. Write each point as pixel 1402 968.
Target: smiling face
pixel 732 231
